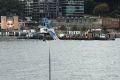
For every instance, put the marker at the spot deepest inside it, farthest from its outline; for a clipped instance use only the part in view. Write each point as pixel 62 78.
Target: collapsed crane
pixel 49 28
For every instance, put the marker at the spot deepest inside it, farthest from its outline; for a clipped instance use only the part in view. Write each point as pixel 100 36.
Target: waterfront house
pixel 9 23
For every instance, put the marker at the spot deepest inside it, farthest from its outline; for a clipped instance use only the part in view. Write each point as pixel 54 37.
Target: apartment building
pixel 45 8
pixel 72 8
pixel 27 7
pixel 37 9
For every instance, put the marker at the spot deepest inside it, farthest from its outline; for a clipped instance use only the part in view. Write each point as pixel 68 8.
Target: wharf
pixel 72 38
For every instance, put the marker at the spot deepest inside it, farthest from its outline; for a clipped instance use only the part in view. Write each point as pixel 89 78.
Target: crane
pixel 49 28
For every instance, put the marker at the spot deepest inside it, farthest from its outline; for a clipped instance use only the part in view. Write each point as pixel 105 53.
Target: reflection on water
pixel 71 60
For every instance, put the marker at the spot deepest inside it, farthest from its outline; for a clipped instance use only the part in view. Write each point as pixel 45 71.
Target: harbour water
pixel 70 60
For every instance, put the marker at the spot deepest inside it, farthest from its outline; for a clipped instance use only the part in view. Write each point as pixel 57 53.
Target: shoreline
pixel 48 38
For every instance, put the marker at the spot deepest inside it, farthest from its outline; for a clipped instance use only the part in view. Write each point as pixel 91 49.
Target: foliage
pixel 89 6
pixel 116 13
pixel 113 5
pixel 10 7
pixel 101 9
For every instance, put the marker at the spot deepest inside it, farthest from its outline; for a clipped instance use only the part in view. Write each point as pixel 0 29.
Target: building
pixel 111 23
pixel 9 23
pixel 72 8
pixel 36 9
pixel 22 3
pixel 27 7
pixel 43 8
pixel 92 22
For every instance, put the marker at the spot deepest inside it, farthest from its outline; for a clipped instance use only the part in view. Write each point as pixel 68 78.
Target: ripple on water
pixel 70 60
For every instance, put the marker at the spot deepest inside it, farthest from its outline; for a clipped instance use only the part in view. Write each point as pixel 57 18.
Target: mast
pixel 49 64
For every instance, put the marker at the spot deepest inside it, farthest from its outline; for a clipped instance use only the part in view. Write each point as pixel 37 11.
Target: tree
pixel 101 9
pixel 10 7
pixel 89 6
pixel 112 3
pixel 92 6
pixel 115 13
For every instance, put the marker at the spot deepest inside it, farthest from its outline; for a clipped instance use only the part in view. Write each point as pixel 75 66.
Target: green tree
pixel 94 6
pixel 89 6
pixel 116 13
pixel 101 9
pixel 10 7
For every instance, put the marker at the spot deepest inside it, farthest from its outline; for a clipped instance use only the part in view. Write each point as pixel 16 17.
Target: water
pixel 70 60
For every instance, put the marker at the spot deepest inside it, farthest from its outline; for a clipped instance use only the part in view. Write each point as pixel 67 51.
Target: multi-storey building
pixel 42 8
pixel 27 7
pixel 22 3
pixel 37 9
pixel 73 8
